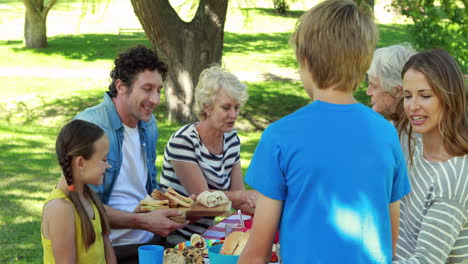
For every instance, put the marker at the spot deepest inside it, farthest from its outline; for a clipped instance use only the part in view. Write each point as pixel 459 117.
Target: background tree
pixel 438 23
pixel 35 27
pixel 281 6
pixel 187 47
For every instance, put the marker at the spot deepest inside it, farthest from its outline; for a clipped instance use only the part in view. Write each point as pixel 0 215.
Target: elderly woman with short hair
pixel 385 82
pixel 206 155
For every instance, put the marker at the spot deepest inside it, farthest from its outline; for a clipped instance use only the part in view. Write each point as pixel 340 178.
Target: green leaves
pixel 441 24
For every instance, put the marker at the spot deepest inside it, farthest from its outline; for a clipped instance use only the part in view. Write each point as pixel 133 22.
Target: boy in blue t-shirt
pixel 331 174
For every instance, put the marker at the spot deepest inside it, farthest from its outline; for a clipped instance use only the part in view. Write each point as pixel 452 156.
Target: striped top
pixel 185 145
pixel 433 217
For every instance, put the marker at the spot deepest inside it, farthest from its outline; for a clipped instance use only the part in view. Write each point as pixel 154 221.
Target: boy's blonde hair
pixel 335 41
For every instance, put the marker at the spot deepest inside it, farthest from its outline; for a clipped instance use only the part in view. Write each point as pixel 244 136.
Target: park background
pixel 42 89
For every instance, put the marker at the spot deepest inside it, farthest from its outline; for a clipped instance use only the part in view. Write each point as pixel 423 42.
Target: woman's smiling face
pixel 422 106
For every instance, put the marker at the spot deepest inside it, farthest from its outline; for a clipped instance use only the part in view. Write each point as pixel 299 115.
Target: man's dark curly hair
pixel 129 64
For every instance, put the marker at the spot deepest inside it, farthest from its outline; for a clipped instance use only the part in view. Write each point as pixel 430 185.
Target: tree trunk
pixel 35 31
pixel 187 48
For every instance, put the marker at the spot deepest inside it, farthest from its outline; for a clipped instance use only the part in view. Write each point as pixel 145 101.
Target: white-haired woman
pixel 385 82
pixel 206 155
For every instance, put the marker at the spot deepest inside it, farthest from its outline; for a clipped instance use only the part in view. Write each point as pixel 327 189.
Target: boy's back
pixel 329 175
pixel 338 168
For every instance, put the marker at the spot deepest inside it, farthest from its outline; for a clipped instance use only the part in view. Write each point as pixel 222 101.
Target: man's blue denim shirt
pixel 105 115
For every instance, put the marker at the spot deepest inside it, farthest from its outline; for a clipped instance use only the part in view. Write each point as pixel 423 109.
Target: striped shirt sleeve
pixel 441 226
pixel 181 148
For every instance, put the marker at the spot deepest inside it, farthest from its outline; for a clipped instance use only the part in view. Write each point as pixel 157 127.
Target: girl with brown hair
pixel 74 224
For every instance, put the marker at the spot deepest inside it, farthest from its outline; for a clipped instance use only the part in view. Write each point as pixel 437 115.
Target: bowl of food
pixel 216 257
pixel 230 250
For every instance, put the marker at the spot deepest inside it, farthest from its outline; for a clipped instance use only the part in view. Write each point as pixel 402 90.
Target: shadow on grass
pixel 272 48
pixel 63 108
pixel 21 243
pixel 86 47
pixel 269 101
pixel 259 43
pixel 91 47
pixel 28 170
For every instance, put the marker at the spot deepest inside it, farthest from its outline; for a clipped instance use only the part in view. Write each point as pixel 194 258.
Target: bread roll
pixel 235 243
pixel 242 243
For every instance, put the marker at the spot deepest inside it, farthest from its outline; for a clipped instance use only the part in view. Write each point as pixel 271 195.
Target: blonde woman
pixel 206 155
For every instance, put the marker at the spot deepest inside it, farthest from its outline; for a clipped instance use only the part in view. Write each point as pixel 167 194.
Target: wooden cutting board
pixel 200 210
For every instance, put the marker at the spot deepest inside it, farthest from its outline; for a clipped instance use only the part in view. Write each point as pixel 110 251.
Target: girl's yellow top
pixel 94 254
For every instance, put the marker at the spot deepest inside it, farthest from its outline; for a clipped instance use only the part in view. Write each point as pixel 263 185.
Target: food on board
pixel 212 199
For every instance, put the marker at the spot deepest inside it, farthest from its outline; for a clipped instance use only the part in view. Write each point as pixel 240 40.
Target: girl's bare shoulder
pixel 58 207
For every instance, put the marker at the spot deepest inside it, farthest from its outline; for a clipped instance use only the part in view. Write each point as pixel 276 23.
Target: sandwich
pixel 212 199
pixel 235 243
pixel 159 195
pixel 150 204
pixel 181 200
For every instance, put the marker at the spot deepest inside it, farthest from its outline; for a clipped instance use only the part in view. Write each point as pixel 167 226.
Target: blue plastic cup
pixel 216 258
pixel 150 254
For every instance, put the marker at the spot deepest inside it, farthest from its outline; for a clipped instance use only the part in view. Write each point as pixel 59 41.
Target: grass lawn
pixel 48 87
